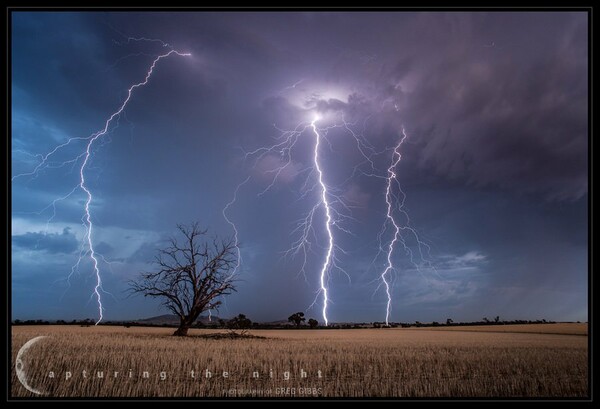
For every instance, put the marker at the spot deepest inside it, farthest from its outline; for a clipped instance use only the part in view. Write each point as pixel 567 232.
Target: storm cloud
pixel 495 165
pixel 53 243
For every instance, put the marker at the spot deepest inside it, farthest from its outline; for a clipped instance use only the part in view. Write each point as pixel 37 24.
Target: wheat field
pixel 548 362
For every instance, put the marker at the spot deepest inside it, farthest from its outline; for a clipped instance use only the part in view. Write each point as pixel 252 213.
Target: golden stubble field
pixel 534 361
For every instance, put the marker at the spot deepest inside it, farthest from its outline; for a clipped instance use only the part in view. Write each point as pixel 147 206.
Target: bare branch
pixel 191 275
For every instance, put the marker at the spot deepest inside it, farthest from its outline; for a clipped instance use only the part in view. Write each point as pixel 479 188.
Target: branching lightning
pixel 234 227
pixel 309 235
pixel 86 155
pixel 328 221
pixel 396 157
pixel 332 203
pixel 401 231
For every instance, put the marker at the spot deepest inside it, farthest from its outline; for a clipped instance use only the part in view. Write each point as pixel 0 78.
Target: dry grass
pixel 353 363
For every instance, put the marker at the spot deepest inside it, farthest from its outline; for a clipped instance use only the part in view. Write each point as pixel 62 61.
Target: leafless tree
pixel 192 273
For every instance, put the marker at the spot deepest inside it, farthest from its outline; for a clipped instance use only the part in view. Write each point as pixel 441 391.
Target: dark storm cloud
pixel 494 167
pixel 500 99
pixel 52 243
pixel 515 123
pixel 496 99
pixel 492 99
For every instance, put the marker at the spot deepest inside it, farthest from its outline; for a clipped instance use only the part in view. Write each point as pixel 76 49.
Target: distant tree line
pixel 450 322
pixel 295 321
pixel 84 323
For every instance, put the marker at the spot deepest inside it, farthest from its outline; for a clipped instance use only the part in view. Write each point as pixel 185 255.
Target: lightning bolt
pixel 401 231
pixel 86 155
pixel 236 241
pixel 333 205
pixel 396 157
pixel 328 221
pixel 234 227
pixel 314 182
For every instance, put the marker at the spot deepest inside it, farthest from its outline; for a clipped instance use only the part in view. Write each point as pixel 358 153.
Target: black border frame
pixel 10 9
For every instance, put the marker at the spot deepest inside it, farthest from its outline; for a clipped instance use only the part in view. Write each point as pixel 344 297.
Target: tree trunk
pixel 182 331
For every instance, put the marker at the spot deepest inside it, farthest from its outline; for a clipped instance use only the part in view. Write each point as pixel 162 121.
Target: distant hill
pixel 171 319
pixel 278 322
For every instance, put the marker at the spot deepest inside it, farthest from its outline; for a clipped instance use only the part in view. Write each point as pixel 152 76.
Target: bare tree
pixel 191 275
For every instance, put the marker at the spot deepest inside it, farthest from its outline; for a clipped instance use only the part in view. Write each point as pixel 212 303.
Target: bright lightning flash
pixel 86 155
pixel 328 198
pixel 328 220
pixel 335 208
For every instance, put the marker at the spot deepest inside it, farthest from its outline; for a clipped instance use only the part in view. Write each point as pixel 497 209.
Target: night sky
pixel 494 167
